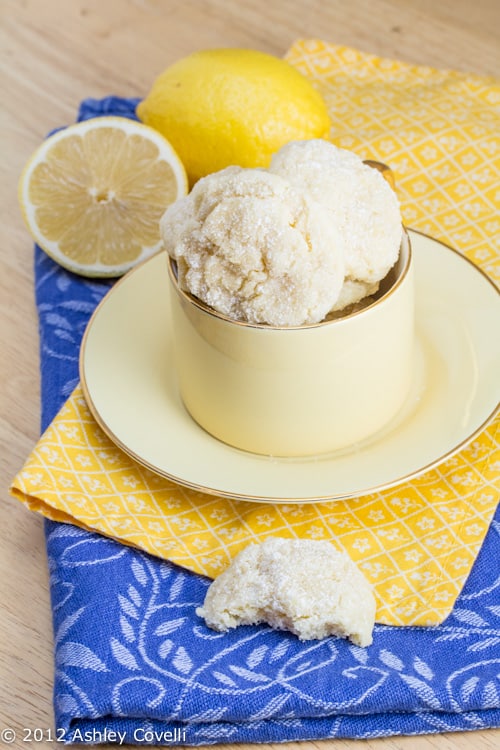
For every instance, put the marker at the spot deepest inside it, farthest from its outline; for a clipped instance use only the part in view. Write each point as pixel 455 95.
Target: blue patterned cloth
pixel 133 662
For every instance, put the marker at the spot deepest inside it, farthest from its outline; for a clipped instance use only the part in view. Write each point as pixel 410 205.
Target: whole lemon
pixel 222 107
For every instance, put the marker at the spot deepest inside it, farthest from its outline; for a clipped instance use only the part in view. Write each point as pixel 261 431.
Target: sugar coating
pixel 301 585
pixel 256 248
pixel 363 206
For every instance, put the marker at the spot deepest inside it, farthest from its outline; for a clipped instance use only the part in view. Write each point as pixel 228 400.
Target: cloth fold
pixel 133 660
pixel 416 543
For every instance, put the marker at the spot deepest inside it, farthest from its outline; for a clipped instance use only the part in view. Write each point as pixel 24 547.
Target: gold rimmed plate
pixel 129 381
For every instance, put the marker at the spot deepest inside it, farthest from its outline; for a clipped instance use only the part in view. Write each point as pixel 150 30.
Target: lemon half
pixel 92 195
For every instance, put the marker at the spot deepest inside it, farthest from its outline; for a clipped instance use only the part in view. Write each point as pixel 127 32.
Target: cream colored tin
pixel 301 390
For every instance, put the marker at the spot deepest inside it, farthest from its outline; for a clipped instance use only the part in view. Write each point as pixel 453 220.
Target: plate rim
pixel 195 486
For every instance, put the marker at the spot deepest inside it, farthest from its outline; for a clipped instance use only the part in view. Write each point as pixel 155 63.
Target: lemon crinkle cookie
pixel 304 586
pixel 256 248
pixel 362 205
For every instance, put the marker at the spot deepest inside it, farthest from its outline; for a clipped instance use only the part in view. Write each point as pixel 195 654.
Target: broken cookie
pixel 307 587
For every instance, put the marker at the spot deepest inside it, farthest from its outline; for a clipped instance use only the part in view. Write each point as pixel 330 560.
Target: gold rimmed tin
pixel 301 390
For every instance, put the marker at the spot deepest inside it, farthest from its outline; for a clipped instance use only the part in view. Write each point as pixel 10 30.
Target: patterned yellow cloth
pixel 438 130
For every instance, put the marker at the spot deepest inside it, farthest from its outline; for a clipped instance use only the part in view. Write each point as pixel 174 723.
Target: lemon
pixel 92 195
pixel 224 107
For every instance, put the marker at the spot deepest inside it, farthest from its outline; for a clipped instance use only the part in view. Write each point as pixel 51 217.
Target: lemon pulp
pixel 92 195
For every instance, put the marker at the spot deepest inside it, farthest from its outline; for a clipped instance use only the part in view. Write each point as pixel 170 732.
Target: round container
pixel 301 390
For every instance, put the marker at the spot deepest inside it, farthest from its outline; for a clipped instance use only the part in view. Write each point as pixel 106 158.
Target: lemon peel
pixel 230 106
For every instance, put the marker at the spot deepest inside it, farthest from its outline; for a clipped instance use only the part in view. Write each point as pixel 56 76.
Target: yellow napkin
pixel 416 542
pixel 439 130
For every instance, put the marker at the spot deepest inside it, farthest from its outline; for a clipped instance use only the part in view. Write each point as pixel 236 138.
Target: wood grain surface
pixel 55 53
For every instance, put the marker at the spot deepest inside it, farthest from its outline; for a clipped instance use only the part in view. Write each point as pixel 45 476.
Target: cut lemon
pixel 92 195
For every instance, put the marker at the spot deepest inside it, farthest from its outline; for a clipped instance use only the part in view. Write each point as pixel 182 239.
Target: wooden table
pixel 57 52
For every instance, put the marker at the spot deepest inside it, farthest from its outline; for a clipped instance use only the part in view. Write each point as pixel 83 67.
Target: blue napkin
pixel 134 664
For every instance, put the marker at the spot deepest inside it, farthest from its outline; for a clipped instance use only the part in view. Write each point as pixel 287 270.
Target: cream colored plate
pixel 130 386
